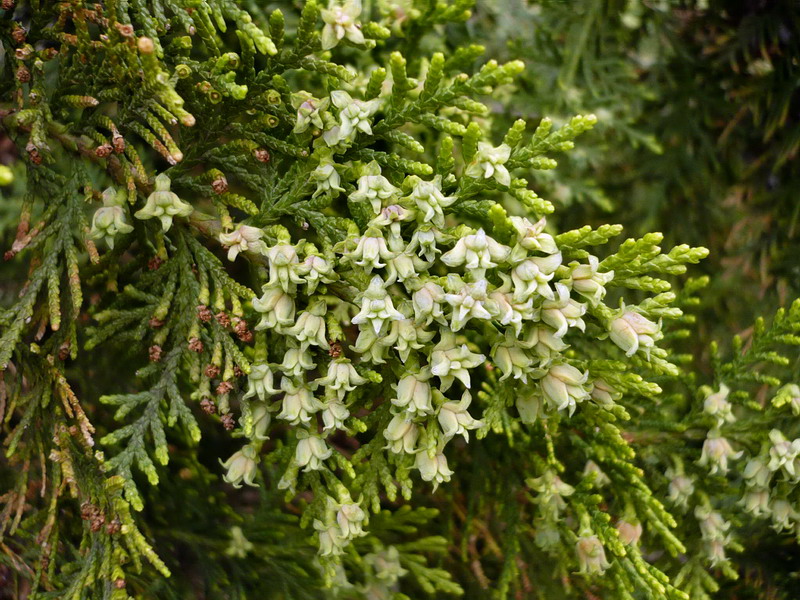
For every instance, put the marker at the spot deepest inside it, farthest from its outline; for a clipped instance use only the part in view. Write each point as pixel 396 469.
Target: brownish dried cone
pixel 223 319
pixel 219 185
pixel 212 371
pixel 228 421
pixel 119 143
pixel 208 406
pixel 237 371
pixel 155 353
pixel 96 524
pixel 204 313
pixel 196 345
pixel 124 30
pixel 335 349
pixel 91 513
pixel 155 263
pixel 18 34
pixel 88 510
pixel 155 322
pixel 241 330
pixel 103 151
pixel 224 387
pixel 114 526
pixel 23 75
pixel 262 155
pixel 119 583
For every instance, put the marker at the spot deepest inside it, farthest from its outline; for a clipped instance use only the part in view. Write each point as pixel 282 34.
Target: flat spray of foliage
pixel 286 251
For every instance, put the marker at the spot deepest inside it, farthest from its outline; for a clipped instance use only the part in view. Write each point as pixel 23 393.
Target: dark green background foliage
pixel 697 138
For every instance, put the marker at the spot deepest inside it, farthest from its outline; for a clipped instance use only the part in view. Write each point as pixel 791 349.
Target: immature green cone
pixel 109 220
pixel 164 204
pixel 632 331
pixel 243 239
pixel 433 468
pixel 489 163
pixel 311 451
pixel 242 467
pixel 591 554
pixel 354 116
pixel 340 23
pixel 309 111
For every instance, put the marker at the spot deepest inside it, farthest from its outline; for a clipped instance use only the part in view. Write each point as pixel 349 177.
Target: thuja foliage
pixel 694 100
pixel 288 320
